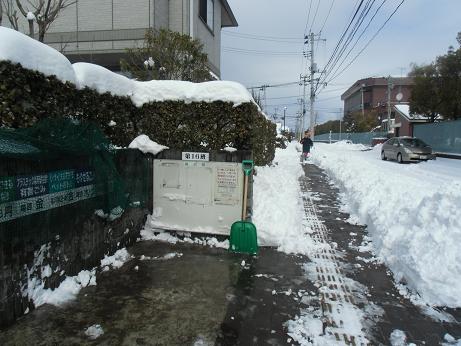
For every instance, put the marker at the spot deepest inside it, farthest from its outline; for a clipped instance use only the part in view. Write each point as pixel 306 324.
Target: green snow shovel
pixel 243 237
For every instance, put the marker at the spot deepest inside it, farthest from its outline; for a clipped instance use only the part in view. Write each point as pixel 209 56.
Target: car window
pixel 413 142
pixel 391 141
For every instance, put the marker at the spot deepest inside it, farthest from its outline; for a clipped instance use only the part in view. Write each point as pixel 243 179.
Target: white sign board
pixel 190 156
pixel 194 196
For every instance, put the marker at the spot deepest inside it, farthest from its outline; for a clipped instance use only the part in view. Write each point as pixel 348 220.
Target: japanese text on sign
pixel 189 156
pixel 226 177
pixel 16 209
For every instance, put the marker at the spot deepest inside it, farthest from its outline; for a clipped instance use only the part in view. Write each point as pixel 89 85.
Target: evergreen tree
pixel 437 88
pixel 167 55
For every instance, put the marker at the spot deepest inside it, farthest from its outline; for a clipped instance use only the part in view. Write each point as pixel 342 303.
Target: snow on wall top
pixel 103 80
pixel 34 55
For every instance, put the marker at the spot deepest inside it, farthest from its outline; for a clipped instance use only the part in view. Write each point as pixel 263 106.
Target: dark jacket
pixel 307 144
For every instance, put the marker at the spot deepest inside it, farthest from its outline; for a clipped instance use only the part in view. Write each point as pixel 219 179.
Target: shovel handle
pixel 245 194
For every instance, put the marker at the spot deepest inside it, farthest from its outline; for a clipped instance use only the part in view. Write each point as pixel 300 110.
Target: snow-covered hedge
pixel 180 115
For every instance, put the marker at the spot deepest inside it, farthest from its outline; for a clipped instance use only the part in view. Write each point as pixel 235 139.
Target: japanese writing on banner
pixel 84 177
pixel 31 186
pixel 61 181
pixel 23 207
pixel 189 156
pixel 7 189
pixel 25 195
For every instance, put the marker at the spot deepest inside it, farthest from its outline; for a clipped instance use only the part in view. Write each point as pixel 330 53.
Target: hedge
pixel 28 96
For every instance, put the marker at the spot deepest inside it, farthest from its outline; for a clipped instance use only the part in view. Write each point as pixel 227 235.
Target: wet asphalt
pixel 208 296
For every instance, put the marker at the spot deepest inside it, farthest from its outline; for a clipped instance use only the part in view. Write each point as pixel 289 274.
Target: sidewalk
pixel 353 281
pixel 188 294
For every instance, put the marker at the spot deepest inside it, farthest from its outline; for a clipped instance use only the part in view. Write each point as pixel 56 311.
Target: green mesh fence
pixel 443 137
pixel 81 166
pixel 358 138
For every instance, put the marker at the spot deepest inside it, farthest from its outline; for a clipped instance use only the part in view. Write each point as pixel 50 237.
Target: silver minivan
pixel 406 149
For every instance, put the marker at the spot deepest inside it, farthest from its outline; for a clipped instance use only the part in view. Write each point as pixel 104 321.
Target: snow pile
pixel 102 80
pixel 146 145
pixel 34 55
pixel 413 213
pixel 278 209
pixel 167 90
pixel 451 341
pixel 67 290
pixel 93 332
pixel 118 259
pixel 151 234
pixel 71 286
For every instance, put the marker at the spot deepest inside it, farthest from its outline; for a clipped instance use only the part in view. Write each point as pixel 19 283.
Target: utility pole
pixel 389 89
pixel 312 98
pixel 284 113
pixel 313 70
pixel 303 79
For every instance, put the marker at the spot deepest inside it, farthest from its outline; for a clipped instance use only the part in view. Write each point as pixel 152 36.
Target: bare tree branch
pixel 45 12
pixel 11 13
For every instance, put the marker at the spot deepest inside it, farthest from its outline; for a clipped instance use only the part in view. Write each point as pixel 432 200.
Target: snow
pixel 118 259
pixel 146 145
pixel 93 332
pixel 278 209
pixel 229 149
pixel 34 55
pixel 30 16
pixel 166 90
pixel 148 234
pixel 412 212
pixel 67 290
pixel 101 79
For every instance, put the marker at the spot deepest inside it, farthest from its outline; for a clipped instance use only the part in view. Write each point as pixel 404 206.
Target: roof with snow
pixel 34 55
pixel 404 110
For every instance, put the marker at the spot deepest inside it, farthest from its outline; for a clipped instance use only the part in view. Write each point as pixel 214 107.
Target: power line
pixel 328 15
pixel 258 52
pixel 315 15
pixel 360 36
pixel 261 37
pixel 343 34
pixel 363 14
pixel 368 43
pixel 308 15
pixel 264 86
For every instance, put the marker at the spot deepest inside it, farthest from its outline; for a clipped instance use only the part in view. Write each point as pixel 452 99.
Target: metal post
pixel 312 96
pixel 389 88
pixel 340 121
pixel 284 111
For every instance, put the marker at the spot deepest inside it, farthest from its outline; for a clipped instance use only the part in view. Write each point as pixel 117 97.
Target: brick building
pixel 100 31
pixel 371 94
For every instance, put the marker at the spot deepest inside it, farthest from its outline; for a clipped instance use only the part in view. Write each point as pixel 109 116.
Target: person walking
pixel 307 143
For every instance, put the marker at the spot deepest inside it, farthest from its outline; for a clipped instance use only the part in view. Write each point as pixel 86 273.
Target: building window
pixel 206 12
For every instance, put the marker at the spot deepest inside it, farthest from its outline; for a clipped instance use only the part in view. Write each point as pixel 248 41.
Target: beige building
pixel 99 31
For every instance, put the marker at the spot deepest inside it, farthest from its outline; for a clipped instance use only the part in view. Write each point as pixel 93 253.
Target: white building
pixel 99 31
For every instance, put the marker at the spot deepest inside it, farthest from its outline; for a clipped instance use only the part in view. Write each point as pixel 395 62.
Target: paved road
pixel 206 296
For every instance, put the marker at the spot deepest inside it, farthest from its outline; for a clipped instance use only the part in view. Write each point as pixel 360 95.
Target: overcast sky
pixel 418 32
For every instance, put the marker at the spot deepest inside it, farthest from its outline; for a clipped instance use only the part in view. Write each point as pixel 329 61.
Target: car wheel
pixel 399 158
pixel 383 156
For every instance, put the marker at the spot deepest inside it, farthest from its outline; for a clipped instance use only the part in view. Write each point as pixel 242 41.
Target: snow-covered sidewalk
pixel 412 212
